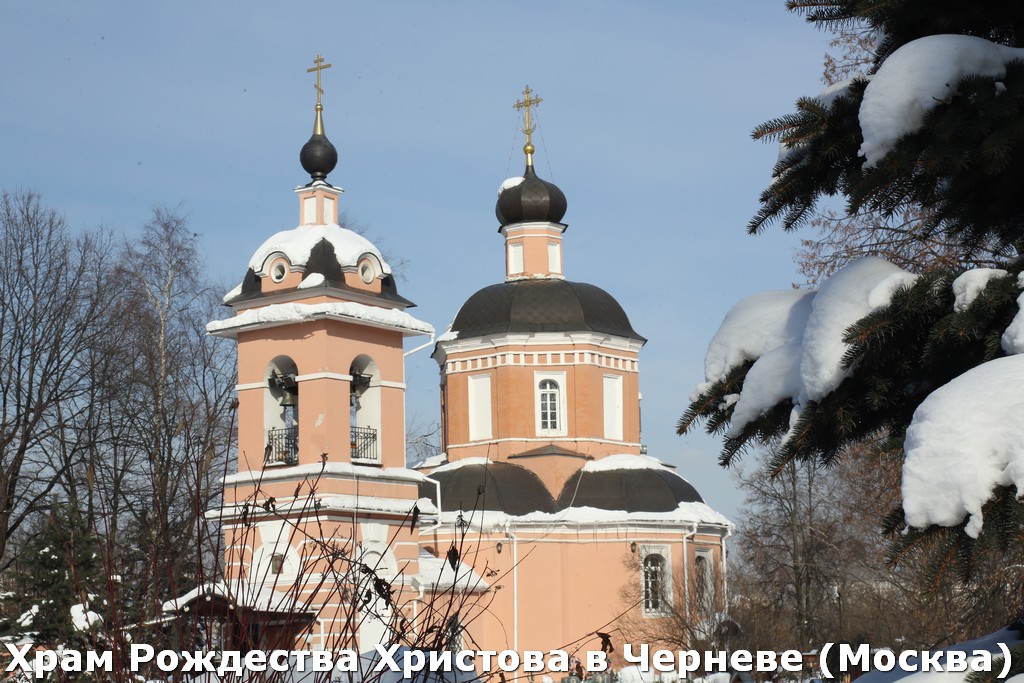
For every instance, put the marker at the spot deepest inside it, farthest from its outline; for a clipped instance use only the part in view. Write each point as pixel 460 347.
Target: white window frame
pixel 559 379
pixel 555 257
pixel 478 395
pixel 665 553
pixel 611 386
pixel 516 263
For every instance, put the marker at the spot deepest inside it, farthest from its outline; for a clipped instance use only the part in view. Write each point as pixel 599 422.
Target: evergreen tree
pixel 57 582
pixel 958 173
pixel 962 166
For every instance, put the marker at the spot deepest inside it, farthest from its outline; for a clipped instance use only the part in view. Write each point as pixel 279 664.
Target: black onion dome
pixel 499 486
pixel 533 199
pixel 542 306
pixel 630 490
pixel 318 156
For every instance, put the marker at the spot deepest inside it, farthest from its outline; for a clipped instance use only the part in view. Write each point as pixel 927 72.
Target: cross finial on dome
pixel 318 156
pixel 526 103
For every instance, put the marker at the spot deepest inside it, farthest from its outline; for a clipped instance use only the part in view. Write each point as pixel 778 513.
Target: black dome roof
pixel 632 490
pixel 500 486
pixel 542 306
pixel 533 199
pixel 318 156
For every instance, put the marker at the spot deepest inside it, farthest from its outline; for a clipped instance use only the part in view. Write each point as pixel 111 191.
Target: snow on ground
pixel 297 243
pixel 988 643
pixel 917 77
pixel 966 438
pixel 970 284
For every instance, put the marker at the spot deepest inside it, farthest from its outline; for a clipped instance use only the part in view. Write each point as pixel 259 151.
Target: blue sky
pixel 109 109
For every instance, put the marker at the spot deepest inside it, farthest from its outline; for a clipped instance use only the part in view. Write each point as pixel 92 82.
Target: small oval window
pixel 278 271
pixel 366 272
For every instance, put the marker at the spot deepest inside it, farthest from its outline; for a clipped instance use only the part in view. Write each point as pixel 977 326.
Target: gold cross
pixel 320 66
pixel 526 103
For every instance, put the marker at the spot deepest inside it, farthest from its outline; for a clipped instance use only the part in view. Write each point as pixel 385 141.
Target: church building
pixel 542 525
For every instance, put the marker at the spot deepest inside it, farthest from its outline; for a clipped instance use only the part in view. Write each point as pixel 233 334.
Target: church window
pixel 281 413
pixel 364 402
pixel 655 577
pixel 550 403
pixel 279 271
pixel 705 580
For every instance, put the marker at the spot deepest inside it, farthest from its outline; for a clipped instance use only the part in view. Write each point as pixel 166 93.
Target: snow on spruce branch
pixel 965 438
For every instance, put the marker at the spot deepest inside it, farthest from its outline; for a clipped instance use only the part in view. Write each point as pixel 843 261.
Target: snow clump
pixel 965 439
pixel 917 77
pixel 970 284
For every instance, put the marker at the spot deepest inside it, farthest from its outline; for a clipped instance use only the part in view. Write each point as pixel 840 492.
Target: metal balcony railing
pixel 364 444
pixel 282 446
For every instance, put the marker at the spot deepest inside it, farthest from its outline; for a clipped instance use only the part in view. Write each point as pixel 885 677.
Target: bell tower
pixel 321 486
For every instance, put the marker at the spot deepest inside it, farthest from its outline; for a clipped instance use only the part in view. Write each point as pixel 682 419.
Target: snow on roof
pixel 686 513
pixel 312 280
pixel 509 183
pixel 287 313
pixel 755 325
pixel 970 283
pixel 241 593
pixel 329 468
pixel 965 439
pixel 297 243
pixel 432 461
pixel 917 77
pixel 437 573
pixel 624 461
pixel 464 462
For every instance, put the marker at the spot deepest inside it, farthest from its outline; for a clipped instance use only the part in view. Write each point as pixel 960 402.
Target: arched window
pixel 281 412
pixel 549 404
pixel 705 592
pixel 654 583
pixel 364 410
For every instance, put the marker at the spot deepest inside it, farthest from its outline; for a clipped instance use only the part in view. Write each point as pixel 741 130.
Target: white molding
pixel 493 341
pixel 542 359
pixel 324 375
pixel 388 384
pixel 547 439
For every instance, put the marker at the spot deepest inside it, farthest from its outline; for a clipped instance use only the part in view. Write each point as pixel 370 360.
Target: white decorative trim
pixel 548 440
pixel 324 375
pixel 542 359
pixel 251 385
pixel 493 341
pixel 392 385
